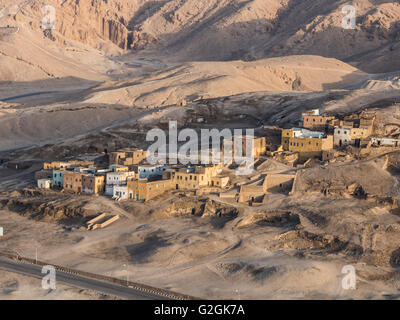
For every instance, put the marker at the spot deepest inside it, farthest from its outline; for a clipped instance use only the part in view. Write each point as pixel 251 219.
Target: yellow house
pixel 128 157
pixel 145 190
pixel 192 178
pixel 306 143
pixel 119 168
pixel 259 146
pixel 62 165
pixel 359 133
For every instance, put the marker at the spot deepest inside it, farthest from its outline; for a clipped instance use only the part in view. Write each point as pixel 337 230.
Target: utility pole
pixel 127 274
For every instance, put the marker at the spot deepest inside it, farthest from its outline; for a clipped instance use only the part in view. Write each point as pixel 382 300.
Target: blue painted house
pixel 58 178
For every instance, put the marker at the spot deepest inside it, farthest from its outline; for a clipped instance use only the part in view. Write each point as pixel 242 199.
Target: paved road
pixel 80 281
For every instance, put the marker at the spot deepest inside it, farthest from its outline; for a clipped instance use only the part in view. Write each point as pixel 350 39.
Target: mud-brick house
pixel 192 178
pixel 118 168
pixel 258 145
pixel 308 144
pixel 347 135
pixel 313 120
pixel 278 183
pixel 72 182
pixel 145 189
pixel 58 178
pixel 93 184
pixel 219 181
pixel 56 165
pixel 63 165
pixel 251 193
pixel 127 157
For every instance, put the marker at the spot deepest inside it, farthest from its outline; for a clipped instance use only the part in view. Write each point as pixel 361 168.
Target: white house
pixel 120 192
pixel 44 183
pixel 387 142
pixel 342 136
pixel 118 178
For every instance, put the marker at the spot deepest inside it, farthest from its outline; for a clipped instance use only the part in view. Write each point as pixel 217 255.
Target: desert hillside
pixel 200 80
pixel 191 30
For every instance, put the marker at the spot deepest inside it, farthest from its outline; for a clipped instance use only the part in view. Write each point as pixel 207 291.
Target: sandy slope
pixel 217 79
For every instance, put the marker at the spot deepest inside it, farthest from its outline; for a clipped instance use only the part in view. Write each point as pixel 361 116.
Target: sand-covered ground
pixel 290 247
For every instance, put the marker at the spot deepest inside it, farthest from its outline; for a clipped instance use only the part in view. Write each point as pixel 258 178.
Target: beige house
pixel 251 193
pixel 145 190
pixel 219 181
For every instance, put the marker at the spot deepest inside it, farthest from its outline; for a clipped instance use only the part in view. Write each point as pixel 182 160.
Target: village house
pixel 93 184
pixel 127 157
pixel 56 165
pixel 306 143
pixel 219 181
pixel 313 120
pixel 73 181
pixel 148 171
pixel 342 136
pixel 118 168
pixel 278 183
pixel 259 147
pixel 58 178
pixel 350 136
pixel 385 142
pixel 251 193
pixel 192 178
pixel 117 178
pixel 60 165
pixel 145 189
pixel 44 183
pixel 120 192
